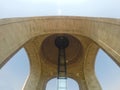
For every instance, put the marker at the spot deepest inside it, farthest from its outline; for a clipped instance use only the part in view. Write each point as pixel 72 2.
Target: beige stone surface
pixel 30 33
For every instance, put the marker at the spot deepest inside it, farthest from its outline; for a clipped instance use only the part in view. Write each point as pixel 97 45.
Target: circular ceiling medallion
pixel 50 51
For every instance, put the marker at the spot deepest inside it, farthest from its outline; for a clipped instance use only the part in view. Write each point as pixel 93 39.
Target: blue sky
pixel 107 72
pixel 14 73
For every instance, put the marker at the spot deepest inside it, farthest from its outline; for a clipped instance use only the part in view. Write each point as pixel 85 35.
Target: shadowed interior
pixel 50 51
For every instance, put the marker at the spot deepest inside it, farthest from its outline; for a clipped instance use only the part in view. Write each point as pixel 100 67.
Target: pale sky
pixel 14 73
pixel 28 8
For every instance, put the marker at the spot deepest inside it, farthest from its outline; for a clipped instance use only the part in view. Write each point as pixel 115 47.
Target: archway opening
pixel 15 72
pixel 107 71
pixel 71 84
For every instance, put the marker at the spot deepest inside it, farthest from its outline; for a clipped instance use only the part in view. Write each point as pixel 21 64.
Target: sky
pixel 29 8
pixel 15 72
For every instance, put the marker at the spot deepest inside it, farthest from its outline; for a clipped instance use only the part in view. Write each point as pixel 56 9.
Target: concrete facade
pixel 31 33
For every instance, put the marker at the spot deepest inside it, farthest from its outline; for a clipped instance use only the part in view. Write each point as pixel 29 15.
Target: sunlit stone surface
pixel 91 33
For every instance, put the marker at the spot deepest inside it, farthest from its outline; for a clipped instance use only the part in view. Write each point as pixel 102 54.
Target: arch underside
pixel 30 33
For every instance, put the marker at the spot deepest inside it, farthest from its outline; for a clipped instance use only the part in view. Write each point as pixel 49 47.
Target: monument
pixel 37 35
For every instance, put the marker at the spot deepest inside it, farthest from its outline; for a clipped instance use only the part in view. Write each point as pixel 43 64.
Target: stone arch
pixel 93 28
pixel 89 69
pixel 17 32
